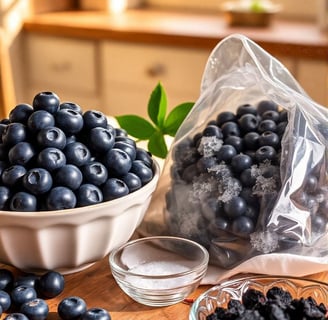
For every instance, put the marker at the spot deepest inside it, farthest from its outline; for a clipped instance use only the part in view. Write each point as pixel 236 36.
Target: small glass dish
pixel 221 294
pixel 159 271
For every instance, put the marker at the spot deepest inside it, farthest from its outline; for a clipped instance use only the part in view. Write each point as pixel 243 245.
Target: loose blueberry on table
pixel 54 156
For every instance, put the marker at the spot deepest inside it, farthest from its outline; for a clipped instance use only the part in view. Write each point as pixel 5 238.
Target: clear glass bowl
pixel 159 271
pixel 221 294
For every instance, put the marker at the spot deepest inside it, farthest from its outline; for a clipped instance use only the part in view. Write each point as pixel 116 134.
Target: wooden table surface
pixel 99 289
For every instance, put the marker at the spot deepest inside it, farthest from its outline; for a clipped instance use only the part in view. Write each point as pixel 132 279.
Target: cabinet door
pixel 65 66
pixel 131 71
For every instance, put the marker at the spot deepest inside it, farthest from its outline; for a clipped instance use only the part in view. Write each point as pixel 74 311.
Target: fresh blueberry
pixel 14 133
pixel 126 140
pixel 23 201
pixel 77 153
pixel 5 300
pixel 16 316
pixel 267 125
pixel 60 198
pixel 21 153
pixel 114 188
pixel 96 314
pixel 241 162
pixel 120 132
pixel 71 308
pixel 126 147
pixel 20 113
pixel 117 162
pixel 266 105
pixel 51 137
pixel 248 122
pixel 69 176
pixel 71 106
pixel 36 309
pixel 47 101
pixel 12 176
pixel 70 121
pixel 145 156
pixel 39 120
pixel 6 279
pixel 37 181
pixel 142 171
pixel 28 279
pixel 269 138
pixel 5 194
pixel 225 116
pixel 22 294
pixel 51 159
pixel 235 207
pixel 94 118
pixel 266 153
pixel 230 129
pixel 101 139
pixel 225 153
pixel 50 284
pixel 236 142
pixel 88 194
pixel 132 181
pixel 3 153
pixel 242 226
pixel 95 173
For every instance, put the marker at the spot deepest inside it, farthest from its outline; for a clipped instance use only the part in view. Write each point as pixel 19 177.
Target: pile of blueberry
pixel 276 304
pixel 24 297
pixel 54 156
pixel 220 174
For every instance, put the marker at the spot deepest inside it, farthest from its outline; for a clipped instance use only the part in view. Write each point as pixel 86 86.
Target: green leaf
pixel 176 117
pixel 157 105
pixel 136 126
pixel 157 145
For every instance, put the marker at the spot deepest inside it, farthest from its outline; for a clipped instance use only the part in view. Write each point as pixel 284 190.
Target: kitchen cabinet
pixel 131 71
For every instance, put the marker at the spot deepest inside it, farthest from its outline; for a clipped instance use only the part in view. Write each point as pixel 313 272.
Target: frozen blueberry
pixel 235 207
pixel 248 122
pixel 71 308
pixel 50 284
pixel 114 188
pixel 60 198
pixel 236 142
pixel 242 226
pixel 88 194
pixel 271 115
pixel 204 164
pixel 266 105
pixel 47 101
pixel 251 140
pixel 212 131
pixel 225 153
pixel 266 153
pixel 36 309
pixel 246 109
pixel 269 138
pixel 311 183
pixel 225 116
pixel 267 125
pixel 241 162
pixel 230 129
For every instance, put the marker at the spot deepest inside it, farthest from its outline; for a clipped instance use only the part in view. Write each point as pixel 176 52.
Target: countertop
pixel 98 288
pixel 183 29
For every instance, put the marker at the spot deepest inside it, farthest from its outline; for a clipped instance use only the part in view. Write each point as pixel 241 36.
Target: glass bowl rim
pixel 202 265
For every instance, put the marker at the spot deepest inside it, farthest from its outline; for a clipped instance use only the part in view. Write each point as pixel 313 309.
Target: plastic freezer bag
pixel 278 207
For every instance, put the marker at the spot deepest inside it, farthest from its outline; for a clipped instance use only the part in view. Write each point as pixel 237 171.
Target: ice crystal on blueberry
pixel 264 241
pixel 209 145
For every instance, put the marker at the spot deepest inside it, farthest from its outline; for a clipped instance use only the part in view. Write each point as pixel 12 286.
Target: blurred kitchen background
pixel 109 54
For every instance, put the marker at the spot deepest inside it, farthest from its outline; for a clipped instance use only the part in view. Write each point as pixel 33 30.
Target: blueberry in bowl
pixel 65 200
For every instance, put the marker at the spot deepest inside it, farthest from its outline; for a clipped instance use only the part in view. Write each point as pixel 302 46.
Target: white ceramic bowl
pixel 159 271
pixel 71 240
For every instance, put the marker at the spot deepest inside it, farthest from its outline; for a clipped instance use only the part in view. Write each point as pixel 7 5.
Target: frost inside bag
pixel 261 206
